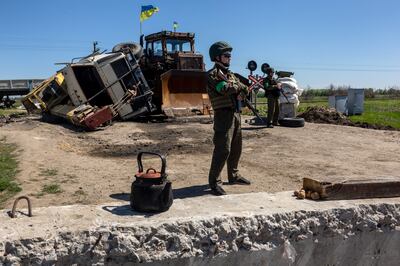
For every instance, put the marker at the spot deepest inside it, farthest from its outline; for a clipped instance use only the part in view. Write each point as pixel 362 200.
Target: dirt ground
pixel 97 167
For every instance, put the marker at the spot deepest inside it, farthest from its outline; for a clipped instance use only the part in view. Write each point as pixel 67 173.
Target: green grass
pixel 48 172
pixel 8 171
pixel 14 109
pixel 379 111
pixel 317 101
pixel 11 111
pixel 304 105
pixel 52 189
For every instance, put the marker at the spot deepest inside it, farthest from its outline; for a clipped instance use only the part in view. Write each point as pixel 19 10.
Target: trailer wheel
pixel 135 48
pixel 292 122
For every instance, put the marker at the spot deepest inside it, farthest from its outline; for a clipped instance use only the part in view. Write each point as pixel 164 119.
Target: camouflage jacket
pixel 221 94
pixel 270 87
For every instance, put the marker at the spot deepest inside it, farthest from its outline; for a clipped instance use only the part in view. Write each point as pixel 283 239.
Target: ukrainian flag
pixel 147 12
pixel 175 25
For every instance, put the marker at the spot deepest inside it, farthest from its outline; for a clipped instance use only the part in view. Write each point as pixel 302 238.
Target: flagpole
pixel 141 28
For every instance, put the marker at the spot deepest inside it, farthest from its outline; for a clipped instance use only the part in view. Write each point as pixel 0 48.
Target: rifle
pixel 245 100
pixel 281 92
pixel 284 95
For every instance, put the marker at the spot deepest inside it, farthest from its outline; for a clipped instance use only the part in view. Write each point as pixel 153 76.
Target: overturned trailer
pixel 94 90
pixel 166 77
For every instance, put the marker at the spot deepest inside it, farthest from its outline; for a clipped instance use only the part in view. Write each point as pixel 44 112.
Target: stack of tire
pixel 290 94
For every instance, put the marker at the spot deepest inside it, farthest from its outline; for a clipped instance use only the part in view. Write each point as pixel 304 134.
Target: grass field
pixel 380 111
pixel 8 170
pixel 11 111
pixel 14 110
pixel 317 101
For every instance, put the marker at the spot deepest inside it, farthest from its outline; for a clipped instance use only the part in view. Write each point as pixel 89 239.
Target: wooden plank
pixel 385 187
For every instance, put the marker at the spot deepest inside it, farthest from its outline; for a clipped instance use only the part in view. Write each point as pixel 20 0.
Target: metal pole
pixel 252 94
pixel 255 100
pixel 255 96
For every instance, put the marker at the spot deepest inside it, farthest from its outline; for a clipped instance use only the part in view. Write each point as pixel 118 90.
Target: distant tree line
pixel 309 93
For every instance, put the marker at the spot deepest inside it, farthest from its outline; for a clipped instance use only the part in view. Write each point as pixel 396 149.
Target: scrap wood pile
pixel 324 115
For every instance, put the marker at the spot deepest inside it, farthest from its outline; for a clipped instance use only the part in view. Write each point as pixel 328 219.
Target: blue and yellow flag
pixel 175 25
pixel 147 12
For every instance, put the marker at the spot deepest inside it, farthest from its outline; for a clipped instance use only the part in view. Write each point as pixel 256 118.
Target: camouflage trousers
pixel 227 145
pixel 273 110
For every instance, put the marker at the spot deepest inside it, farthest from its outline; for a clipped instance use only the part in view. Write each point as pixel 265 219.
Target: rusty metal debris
pixel 164 75
pixel 385 187
pixel 14 208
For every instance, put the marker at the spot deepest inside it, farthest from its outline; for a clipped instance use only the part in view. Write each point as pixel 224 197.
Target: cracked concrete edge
pixel 106 238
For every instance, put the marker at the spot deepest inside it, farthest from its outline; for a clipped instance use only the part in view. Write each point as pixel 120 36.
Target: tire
pixel 292 122
pixel 135 48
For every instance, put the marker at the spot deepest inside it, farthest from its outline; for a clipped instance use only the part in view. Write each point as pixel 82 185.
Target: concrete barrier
pixel 245 229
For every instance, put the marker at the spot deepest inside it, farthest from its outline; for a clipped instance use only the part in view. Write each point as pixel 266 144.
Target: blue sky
pixel 353 42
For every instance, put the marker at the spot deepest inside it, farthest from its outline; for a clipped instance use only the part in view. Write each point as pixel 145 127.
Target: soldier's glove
pixel 224 87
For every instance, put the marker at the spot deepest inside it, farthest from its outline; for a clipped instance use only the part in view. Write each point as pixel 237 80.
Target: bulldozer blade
pixel 184 92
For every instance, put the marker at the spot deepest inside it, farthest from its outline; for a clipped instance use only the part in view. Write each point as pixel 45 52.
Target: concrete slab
pixel 206 230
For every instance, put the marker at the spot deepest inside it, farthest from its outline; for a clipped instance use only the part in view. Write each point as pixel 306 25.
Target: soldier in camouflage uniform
pixel 272 91
pixel 225 92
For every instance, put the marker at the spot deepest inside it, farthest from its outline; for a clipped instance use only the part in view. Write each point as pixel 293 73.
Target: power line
pixel 42 47
pixel 339 69
pixel 41 39
pixel 338 64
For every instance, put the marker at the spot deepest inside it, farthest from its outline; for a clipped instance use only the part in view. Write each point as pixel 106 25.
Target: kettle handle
pixel 162 157
pixel 151 169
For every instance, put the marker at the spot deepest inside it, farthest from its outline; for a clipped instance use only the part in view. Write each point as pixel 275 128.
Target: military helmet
pixel 271 70
pixel 266 68
pixel 218 49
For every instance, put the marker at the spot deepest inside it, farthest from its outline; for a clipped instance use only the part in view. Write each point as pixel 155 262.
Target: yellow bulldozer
pixel 174 71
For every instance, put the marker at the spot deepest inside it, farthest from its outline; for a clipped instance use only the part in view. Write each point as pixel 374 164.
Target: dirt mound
pixel 317 114
pixel 323 115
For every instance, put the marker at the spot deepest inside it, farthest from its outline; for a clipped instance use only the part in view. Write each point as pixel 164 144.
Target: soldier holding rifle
pixel 225 92
pixel 272 91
